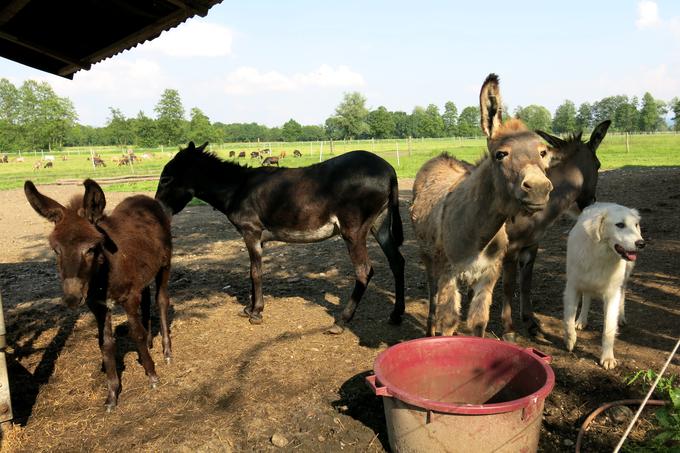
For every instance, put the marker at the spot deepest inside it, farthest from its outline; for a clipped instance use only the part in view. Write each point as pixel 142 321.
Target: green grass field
pixel 645 150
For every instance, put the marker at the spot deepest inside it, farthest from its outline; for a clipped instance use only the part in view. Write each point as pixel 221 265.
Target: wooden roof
pixel 65 36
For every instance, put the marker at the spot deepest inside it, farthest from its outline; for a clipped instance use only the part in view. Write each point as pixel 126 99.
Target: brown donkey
pixel 104 260
pixel 459 211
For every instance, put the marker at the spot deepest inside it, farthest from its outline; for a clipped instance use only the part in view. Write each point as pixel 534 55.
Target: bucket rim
pixel 465 409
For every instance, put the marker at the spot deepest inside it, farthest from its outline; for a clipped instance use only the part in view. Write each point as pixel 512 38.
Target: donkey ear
pixel 202 147
pixel 598 134
pixel 191 146
pixel 94 201
pixel 45 206
pixel 490 106
pixel 553 141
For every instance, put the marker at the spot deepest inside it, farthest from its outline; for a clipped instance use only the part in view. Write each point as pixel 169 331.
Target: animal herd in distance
pixel 473 224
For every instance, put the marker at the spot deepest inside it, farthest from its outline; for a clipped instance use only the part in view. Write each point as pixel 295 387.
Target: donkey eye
pixel 620 225
pixel 500 155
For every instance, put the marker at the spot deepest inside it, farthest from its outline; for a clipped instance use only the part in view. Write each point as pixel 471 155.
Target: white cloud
pixel 647 15
pixel 195 38
pixel 662 82
pixel 248 80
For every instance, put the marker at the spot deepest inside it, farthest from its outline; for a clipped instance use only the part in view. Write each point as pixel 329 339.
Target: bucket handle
pixel 379 391
pixel 541 355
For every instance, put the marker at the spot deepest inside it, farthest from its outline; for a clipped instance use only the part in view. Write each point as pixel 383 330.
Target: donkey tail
pixel 396 226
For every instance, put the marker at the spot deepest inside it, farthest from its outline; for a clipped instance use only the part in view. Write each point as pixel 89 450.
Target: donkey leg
pixel 253 242
pixel 448 305
pixel 389 247
pixel 107 346
pixel 432 295
pixel 526 263
pixel 358 253
pixel 138 334
pixel 509 281
pixel 478 313
pixel 163 302
pixel 146 315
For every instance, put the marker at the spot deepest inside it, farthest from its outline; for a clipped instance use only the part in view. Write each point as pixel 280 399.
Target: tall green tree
pixel 450 118
pixel 584 117
pixel 565 118
pixel 119 128
pixel 146 134
pixel 605 108
pixel 312 133
pixel 468 122
pixel 200 129
pixel 403 126
pixel 170 118
pixel 535 117
pixel 9 108
pixel 44 119
pixel 651 113
pixel 626 116
pixel 675 108
pixel 351 116
pixel 381 123
pixel 291 131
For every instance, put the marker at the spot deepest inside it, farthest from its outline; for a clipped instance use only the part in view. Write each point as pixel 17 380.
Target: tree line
pixel 33 117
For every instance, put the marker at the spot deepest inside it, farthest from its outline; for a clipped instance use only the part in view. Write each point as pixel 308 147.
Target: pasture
pixel 233 385
pixel 644 150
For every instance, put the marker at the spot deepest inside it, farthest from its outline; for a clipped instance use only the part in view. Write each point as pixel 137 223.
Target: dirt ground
pixel 232 385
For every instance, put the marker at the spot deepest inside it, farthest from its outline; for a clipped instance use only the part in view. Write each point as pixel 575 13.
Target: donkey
pixel 271 160
pixel 350 195
pixel 104 260
pixel 573 173
pixel 459 211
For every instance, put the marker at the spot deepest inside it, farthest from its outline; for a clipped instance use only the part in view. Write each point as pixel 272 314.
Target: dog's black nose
pixel 640 244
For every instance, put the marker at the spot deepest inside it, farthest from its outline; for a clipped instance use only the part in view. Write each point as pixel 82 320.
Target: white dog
pixel 601 252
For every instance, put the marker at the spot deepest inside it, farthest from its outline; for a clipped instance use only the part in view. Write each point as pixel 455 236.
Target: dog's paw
pixel 622 321
pixel 570 341
pixel 608 363
pixel 581 324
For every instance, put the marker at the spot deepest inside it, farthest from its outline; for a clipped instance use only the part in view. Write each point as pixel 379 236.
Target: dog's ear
pixel 595 227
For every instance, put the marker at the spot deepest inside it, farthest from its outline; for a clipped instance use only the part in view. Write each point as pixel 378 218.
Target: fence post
pixel 321 150
pixel 409 146
pixel 5 400
pixel 398 163
pixel 627 144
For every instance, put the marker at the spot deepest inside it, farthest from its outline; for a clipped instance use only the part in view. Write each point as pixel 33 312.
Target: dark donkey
pixel 574 178
pixel 112 259
pixel 351 195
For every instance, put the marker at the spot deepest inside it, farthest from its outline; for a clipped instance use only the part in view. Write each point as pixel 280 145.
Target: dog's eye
pixel 544 153
pixel 501 154
pixel 620 225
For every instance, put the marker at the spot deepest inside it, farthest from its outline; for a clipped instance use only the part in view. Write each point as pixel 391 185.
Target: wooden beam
pixel 12 9
pixel 44 51
pixel 193 6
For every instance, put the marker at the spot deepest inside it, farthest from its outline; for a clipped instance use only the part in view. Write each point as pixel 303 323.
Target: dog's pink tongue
pixel 631 255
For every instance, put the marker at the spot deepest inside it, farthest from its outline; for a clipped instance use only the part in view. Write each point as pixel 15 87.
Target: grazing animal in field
pixel 147 156
pixel 112 259
pixel 255 155
pixel 37 165
pixel 19 159
pixel 601 252
pixel 297 153
pixel 351 195
pixel 266 152
pixel 573 174
pixel 459 211
pixel 4 159
pixel 232 153
pixel 98 162
pixel 49 158
pixel 48 164
pixel 125 160
pixel 282 154
pixel 64 157
pixel 242 154
pixel 272 160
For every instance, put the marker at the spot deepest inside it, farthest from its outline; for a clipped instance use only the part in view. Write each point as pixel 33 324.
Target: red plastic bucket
pixel 464 394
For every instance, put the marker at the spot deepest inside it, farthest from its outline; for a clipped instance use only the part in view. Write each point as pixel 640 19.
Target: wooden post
pixel 409 146
pixel 627 144
pixel 321 151
pixel 398 163
pixel 373 145
pixel 310 149
pixel 332 148
pixel 94 167
pixel 5 401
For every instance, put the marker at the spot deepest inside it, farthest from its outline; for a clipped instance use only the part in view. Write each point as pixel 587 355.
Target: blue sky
pixel 268 61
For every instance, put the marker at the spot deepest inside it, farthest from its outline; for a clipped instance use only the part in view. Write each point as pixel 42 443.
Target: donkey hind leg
pixel 138 334
pixel 146 315
pixel 358 253
pixel 478 313
pixel 253 242
pixel 388 244
pixel 107 346
pixel 163 302
pixel 447 315
pixel 509 283
pixel 526 269
pixel 432 296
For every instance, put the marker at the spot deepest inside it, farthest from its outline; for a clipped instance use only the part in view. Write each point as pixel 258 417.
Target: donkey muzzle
pixel 73 292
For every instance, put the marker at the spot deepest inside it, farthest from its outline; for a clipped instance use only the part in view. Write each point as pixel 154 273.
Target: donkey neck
pixel 492 203
pixel 217 183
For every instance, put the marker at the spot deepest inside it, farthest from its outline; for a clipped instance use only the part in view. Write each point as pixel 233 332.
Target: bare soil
pixel 232 385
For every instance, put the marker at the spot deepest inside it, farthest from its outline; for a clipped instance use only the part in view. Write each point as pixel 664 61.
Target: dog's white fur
pixel 595 268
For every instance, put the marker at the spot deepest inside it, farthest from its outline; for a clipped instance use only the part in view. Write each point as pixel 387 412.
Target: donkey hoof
pixel 510 337
pixel 110 405
pixel 153 381
pixel 335 330
pixel 257 320
pixel 168 360
pixel 245 313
